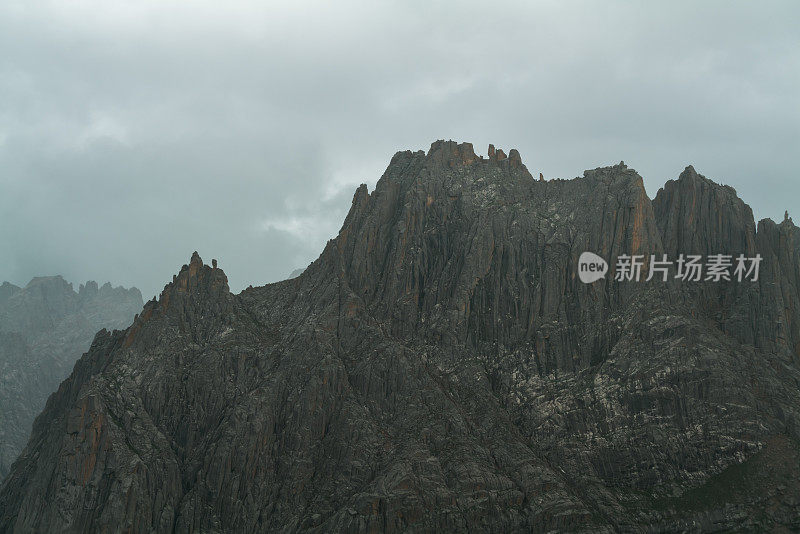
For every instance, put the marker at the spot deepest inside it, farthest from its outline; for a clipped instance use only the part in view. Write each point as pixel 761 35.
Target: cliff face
pixel 441 366
pixel 44 328
pixel 466 251
pixel 697 216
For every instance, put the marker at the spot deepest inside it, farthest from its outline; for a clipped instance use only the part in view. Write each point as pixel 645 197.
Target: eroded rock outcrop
pixel 440 367
pixel 44 328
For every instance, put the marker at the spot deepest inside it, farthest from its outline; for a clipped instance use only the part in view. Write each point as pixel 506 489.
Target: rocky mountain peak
pixel 451 154
pixel 49 284
pixel 198 277
pixel 698 216
pixel 196 297
pixel 497 154
pixel 442 367
pixel 89 289
pixel 443 234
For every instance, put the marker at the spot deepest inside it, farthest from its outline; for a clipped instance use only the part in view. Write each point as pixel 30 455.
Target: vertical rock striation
pixel 440 367
pixel 44 328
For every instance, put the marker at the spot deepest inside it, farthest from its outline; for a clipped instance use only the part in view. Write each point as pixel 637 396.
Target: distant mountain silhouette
pixel 44 329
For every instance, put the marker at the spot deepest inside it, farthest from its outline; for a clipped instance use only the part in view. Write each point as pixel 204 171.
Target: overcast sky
pixel 133 133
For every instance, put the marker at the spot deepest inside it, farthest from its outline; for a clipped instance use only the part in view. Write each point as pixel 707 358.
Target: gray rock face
pixel 44 329
pixel 440 367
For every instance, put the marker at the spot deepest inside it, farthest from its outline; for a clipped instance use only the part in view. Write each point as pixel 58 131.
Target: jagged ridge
pixel 44 328
pixel 440 366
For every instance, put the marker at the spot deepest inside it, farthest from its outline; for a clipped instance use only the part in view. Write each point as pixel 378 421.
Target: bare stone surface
pixel 440 367
pixel 44 329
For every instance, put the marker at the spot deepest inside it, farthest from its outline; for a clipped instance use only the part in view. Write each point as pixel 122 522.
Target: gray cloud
pixel 132 133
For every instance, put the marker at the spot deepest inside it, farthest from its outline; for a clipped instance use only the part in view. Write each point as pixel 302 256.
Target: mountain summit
pixel 441 367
